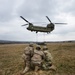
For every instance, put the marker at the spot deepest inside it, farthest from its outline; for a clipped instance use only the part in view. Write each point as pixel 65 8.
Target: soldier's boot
pixel 53 68
pixel 25 70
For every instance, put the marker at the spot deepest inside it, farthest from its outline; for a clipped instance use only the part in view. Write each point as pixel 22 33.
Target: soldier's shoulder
pixel 46 51
pixel 26 48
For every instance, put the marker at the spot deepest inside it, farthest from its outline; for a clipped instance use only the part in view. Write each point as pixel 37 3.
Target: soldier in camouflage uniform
pixel 48 64
pixel 37 58
pixel 28 53
pixel 48 58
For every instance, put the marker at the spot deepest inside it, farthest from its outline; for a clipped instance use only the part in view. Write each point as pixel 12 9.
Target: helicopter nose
pixel 28 28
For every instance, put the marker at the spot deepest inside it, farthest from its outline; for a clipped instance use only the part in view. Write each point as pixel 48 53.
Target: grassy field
pixel 63 54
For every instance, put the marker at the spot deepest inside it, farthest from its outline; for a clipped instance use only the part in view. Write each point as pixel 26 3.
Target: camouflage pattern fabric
pixel 28 53
pixel 37 58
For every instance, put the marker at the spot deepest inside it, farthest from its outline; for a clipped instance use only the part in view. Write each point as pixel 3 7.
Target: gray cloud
pixel 36 10
pixel 6 10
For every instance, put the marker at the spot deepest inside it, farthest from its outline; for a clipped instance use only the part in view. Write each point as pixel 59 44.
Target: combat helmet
pixel 31 44
pixel 38 47
pixel 45 48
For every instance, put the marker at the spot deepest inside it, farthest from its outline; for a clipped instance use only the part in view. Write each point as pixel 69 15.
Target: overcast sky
pixel 35 11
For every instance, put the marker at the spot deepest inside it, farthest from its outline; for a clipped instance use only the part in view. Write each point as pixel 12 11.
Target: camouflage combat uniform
pixel 48 58
pixel 37 58
pixel 28 53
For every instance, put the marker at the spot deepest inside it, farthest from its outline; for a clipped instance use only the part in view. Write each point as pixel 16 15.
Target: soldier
pixel 37 58
pixel 28 53
pixel 48 64
pixel 48 58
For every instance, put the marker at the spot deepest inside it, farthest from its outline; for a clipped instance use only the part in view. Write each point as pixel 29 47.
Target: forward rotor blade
pixel 48 19
pixel 60 23
pixel 24 24
pixel 24 19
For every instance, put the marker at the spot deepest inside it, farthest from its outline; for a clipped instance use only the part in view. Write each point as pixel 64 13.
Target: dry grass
pixel 11 62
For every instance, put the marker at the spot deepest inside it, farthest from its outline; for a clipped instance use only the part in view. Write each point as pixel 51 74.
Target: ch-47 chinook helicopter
pixel 49 28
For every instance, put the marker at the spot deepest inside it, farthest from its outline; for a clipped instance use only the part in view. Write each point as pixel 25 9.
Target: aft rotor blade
pixel 24 24
pixel 24 19
pixel 48 19
pixel 60 23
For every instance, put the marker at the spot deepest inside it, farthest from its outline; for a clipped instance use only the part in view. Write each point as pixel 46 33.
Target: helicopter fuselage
pixel 46 29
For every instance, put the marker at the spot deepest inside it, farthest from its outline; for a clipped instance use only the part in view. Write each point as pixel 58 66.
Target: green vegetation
pixel 63 54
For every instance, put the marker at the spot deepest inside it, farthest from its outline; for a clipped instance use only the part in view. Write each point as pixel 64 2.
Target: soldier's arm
pixel 43 55
pixel 32 52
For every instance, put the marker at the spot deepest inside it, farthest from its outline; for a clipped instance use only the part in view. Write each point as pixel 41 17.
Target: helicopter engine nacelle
pixel 51 26
pixel 30 24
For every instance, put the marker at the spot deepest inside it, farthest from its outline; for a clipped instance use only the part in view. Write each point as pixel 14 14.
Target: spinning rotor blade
pixel 25 24
pixel 24 19
pixel 60 23
pixel 48 19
